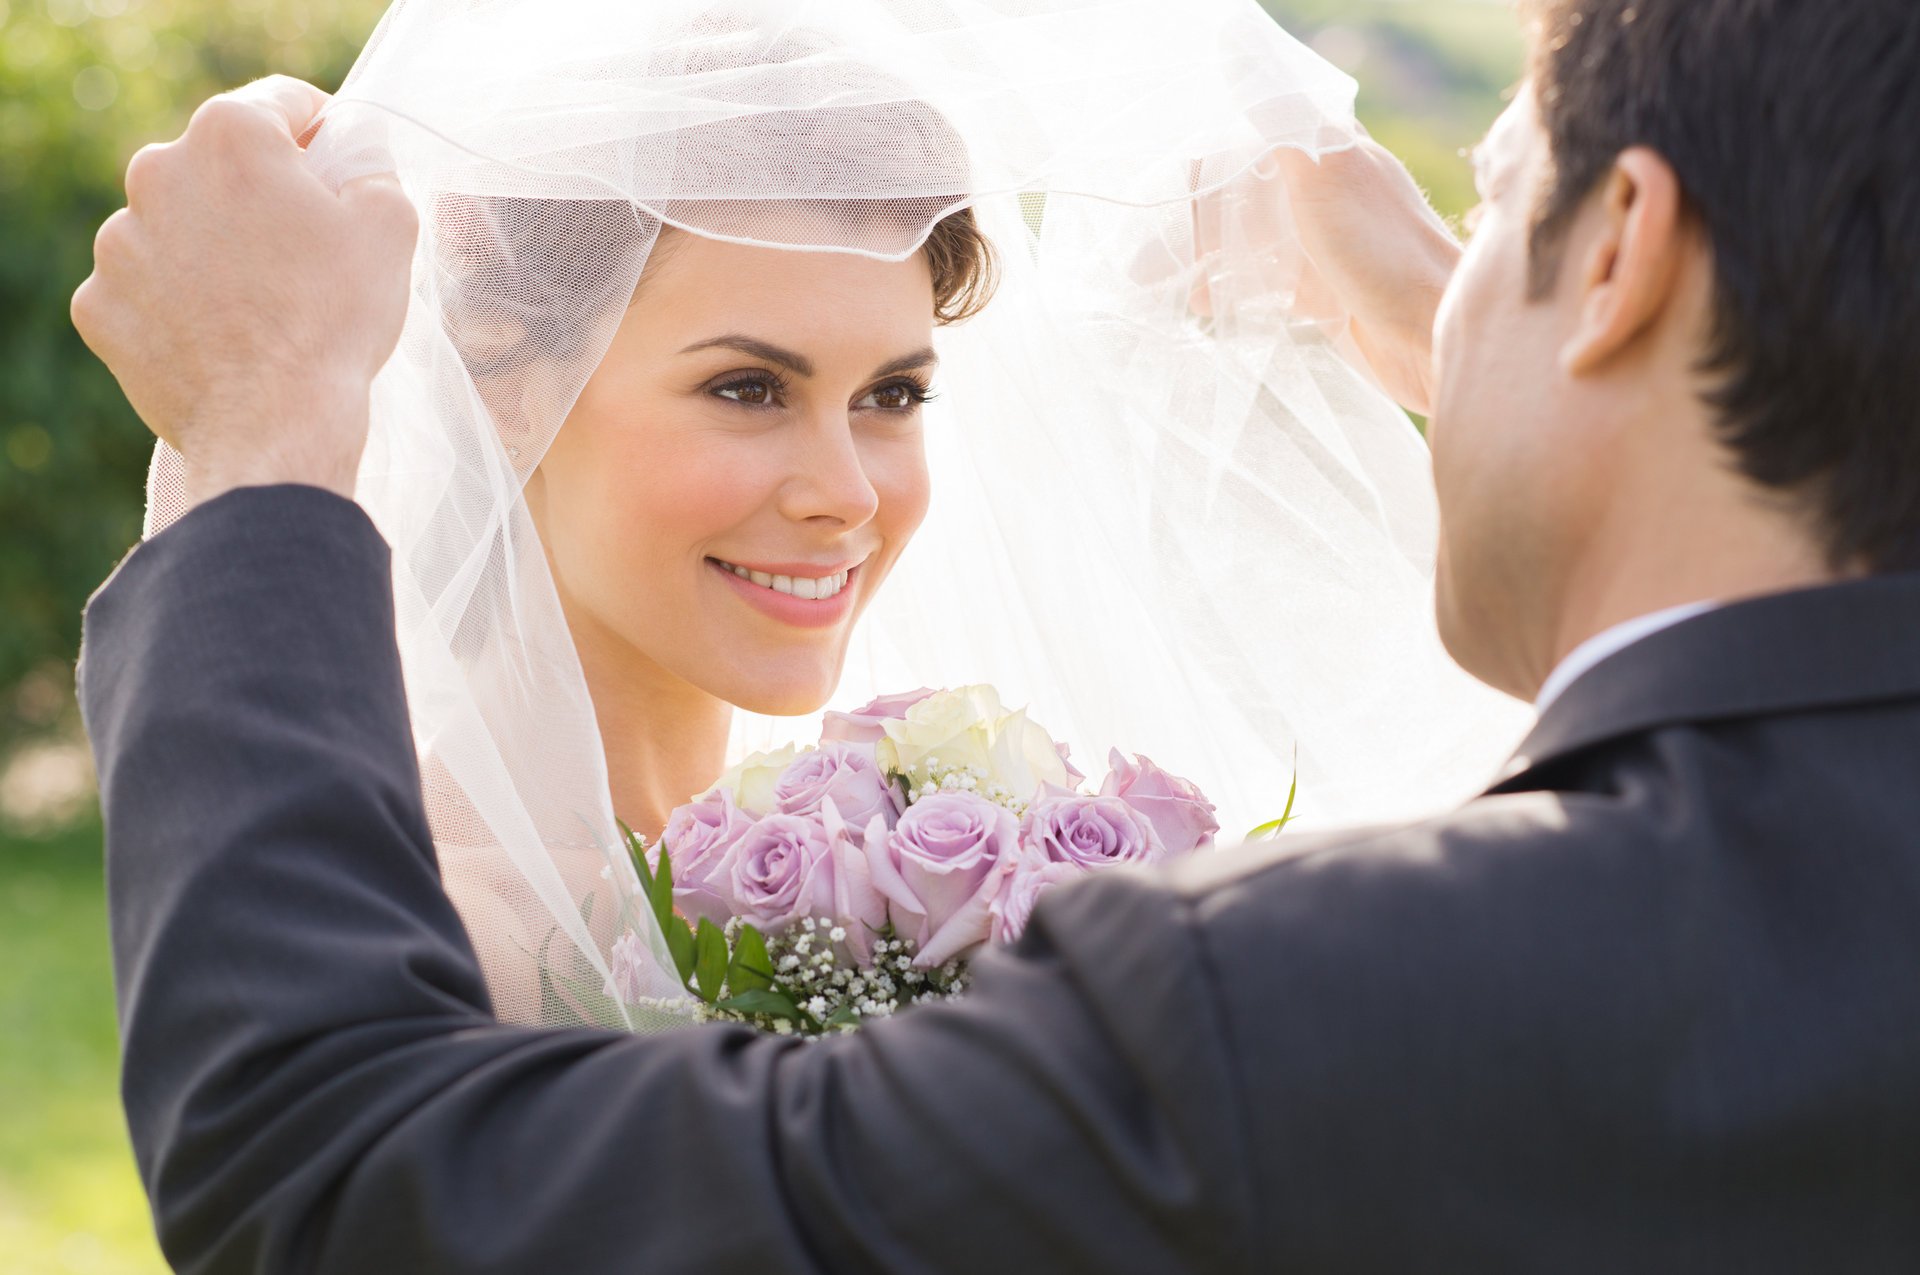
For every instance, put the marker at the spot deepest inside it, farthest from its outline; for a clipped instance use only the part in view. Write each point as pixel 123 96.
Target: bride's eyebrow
pixel 914 362
pixel 798 364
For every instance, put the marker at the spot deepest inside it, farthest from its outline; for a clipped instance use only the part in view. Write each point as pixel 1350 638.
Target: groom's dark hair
pixel 1790 126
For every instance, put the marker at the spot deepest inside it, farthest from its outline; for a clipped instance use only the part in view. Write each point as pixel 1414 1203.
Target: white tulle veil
pixel 1167 514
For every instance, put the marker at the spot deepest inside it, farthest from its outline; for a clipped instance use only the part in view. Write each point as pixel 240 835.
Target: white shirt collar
pixel 1602 646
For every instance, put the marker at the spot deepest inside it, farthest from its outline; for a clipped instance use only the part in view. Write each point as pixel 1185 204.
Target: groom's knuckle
pixel 383 214
pixel 111 243
pixel 293 95
pixel 89 310
pixel 397 215
pixel 146 171
pixel 81 307
pixel 225 122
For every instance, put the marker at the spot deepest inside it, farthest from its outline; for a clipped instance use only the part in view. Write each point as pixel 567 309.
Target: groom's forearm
pixel 314 1083
pixel 245 707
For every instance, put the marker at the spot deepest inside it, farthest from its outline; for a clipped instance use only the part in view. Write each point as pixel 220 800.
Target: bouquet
pixel 814 888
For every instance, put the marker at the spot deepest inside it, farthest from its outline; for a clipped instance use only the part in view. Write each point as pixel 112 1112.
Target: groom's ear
pixel 1629 264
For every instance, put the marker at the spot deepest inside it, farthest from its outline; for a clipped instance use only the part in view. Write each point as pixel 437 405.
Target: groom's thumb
pixel 381 208
pixel 379 197
pixel 385 226
pixel 290 105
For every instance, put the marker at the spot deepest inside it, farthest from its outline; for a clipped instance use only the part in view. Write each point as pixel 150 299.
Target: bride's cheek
pixel 905 488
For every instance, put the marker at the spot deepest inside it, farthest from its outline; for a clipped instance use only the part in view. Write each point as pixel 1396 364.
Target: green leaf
pixel 840 1018
pixel 709 960
pixel 751 969
pixel 585 997
pixel 661 894
pixel 637 851
pixel 680 945
pixel 1266 830
pixel 767 1004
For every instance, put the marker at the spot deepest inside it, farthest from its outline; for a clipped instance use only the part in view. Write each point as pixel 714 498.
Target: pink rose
pixel 1088 832
pixel 779 872
pixel 1013 907
pixel 858 905
pixel 698 837
pixel 1176 809
pixel 844 773
pixel 865 725
pixel 940 870
pixel 631 971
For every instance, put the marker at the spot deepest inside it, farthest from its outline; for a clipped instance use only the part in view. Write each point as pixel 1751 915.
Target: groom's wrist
pixel 204 486
pixel 312 445
pixel 306 427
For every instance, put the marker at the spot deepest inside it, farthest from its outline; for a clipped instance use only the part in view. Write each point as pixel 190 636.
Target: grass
pixel 69 1198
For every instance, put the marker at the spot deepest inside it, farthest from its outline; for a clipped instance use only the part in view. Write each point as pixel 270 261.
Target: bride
pixel 767 355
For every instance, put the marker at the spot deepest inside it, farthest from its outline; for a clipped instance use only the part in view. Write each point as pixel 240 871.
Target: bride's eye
pixel 758 389
pixel 896 396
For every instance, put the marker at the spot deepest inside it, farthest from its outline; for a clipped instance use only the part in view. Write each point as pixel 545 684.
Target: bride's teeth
pixel 807 587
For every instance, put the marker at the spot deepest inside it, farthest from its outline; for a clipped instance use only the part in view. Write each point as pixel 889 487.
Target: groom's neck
pixel 1686 529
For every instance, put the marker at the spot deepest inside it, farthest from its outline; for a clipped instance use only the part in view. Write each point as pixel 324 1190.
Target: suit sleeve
pixel 314 1081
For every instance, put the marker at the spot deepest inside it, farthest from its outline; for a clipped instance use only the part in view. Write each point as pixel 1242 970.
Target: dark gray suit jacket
pixel 1653 1004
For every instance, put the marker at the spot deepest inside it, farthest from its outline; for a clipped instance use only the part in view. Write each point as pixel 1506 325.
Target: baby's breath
pixel 814 969
pixel 930 778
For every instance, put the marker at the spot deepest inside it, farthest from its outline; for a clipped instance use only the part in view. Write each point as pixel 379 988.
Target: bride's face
pixel 758 412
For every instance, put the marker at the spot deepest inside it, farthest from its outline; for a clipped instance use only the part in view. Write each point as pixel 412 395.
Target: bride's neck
pixel 665 740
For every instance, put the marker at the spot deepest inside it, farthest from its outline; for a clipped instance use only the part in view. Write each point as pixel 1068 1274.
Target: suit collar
pixel 1851 643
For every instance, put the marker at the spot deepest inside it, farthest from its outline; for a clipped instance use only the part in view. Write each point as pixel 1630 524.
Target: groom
pixel 1651 1004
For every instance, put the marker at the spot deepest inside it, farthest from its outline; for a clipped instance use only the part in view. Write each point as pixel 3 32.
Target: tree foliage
pixel 83 84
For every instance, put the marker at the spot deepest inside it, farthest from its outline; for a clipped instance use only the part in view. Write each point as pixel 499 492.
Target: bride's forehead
pixel 878 227
pixel 704 271
pixel 834 312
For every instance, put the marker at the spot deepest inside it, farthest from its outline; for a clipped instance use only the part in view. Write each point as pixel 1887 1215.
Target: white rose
pixel 1025 757
pixel 953 727
pixel 970 729
pixel 751 782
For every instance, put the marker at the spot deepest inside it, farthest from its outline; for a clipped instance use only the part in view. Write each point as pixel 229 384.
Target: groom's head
pixel 1681 358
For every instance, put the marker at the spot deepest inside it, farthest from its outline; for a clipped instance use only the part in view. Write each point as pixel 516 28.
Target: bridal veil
pixel 1167 513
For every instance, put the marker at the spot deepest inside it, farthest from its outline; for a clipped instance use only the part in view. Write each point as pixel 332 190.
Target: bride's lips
pixel 801 613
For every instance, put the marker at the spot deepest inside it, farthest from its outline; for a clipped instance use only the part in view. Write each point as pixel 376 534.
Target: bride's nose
pixel 829 479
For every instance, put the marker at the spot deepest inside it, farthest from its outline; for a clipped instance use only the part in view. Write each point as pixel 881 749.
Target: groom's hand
pixel 1381 252
pixel 243 305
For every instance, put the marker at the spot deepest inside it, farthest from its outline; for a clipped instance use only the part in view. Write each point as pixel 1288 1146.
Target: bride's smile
pixel 801 595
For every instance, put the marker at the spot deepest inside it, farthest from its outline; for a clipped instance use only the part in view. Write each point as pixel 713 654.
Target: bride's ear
pixel 1629 270
pixel 528 410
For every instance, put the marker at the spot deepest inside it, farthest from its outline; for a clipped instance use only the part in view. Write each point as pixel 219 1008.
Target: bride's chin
pixel 767 692
pixel 773 702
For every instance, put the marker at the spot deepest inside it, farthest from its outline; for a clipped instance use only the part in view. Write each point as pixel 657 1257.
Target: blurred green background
pixel 84 83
